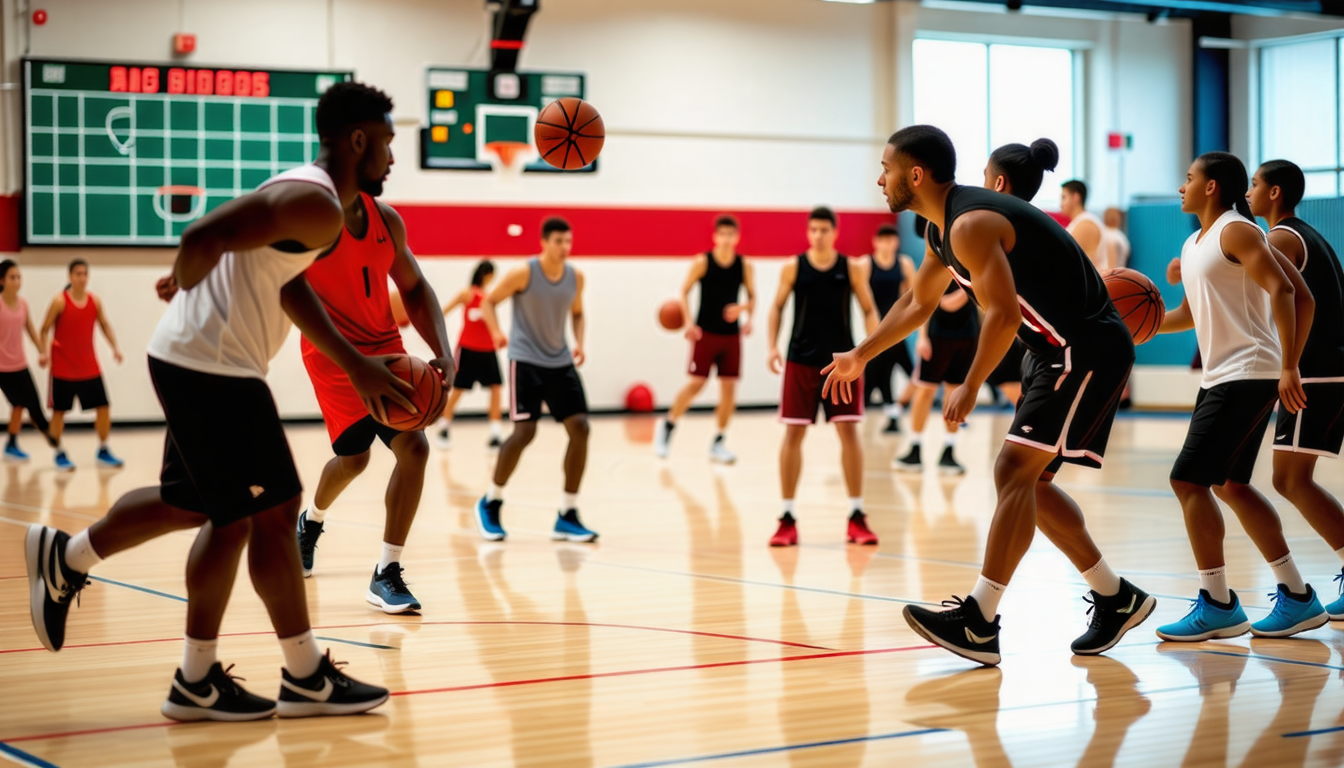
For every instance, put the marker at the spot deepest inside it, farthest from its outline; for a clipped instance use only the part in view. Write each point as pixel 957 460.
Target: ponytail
pixel 1229 173
pixel 482 271
pixel 1024 167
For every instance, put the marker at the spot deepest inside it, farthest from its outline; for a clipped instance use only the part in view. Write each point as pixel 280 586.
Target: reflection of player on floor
pixel 74 365
pixel 946 347
pixel 227 467
pixel 16 381
pixel 889 275
pixel 476 359
pixel 372 247
pixel 542 369
pixel 822 283
pixel 716 339
pixel 1032 279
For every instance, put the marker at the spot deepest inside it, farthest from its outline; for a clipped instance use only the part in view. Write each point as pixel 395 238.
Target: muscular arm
pixel 863 292
pixel 1288 244
pixel 53 311
pixel 1290 301
pixel 576 317
pixel 107 327
pixel 787 276
pixel 978 238
pixel 513 282
pixel 1088 236
pixel 417 295
pixel 1177 320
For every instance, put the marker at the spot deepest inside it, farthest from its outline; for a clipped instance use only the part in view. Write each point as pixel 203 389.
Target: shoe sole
pixel 1214 634
pixel 111 465
pixel 480 527
pixel 37 585
pixel 910 468
pixel 320 708
pixel 65 469
pixel 191 714
pixel 952 471
pixel 717 460
pixel 872 543
pixel 1141 615
pixel 979 657
pixel 17 459
pixel 386 607
pixel 1336 616
pixel 1319 620
pixel 577 538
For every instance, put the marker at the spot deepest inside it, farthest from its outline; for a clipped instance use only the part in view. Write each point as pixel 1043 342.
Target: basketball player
pixel 1031 279
pixel 822 283
pixel 227 466
pixel 1085 226
pixel 716 337
pixel 16 381
pixel 889 275
pixel 1318 429
pixel 1251 312
pixel 946 347
pixel 476 360
pixel 542 369
pixel 1115 237
pixel 74 366
pixel 370 250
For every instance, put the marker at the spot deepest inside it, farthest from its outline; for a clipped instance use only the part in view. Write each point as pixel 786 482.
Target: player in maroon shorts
pixel 822 282
pixel 716 338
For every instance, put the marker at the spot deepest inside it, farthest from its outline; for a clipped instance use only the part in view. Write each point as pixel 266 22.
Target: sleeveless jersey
pixel 475 336
pixel 1323 355
pixel 72 356
pixel 887 285
pixel 231 323
pixel 963 323
pixel 821 313
pixel 539 314
pixel 1233 321
pixel 1061 295
pixel 13 322
pixel 718 288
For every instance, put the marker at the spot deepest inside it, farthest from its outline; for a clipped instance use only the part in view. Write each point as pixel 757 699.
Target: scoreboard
pixel 120 153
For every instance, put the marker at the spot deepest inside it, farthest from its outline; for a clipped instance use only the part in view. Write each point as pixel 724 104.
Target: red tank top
pixel 72 356
pixel 475 335
pixel 351 281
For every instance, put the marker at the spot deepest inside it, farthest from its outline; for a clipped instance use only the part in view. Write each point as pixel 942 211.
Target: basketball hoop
pixel 508 158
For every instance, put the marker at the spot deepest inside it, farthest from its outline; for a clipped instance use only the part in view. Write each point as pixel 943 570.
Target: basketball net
pixel 509 158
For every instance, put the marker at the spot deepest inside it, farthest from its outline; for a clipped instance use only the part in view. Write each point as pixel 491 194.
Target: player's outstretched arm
pixel 514 282
pixel 1177 320
pixel 107 327
pixel 787 276
pixel 417 296
pixel 576 317
pixel 1289 298
pixel 463 296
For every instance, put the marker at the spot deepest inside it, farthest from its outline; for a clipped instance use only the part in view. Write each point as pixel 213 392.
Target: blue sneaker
pixel 568 528
pixel 487 519
pixel 1336 609
pixel 106 459
pixel 1207 621
pixel 309 532
pixel 14 453
pixel 63 462
pixel 1291 614
pixel 389 592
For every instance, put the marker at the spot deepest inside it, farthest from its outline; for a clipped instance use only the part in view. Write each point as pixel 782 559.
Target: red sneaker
pixel 787 535
pixel 858 530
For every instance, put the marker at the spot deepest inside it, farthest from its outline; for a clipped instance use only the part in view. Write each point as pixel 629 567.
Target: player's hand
pixel 116 355
pixel 501 341
pixel 1291 393
pixel 958 405
pixel 1174 271
pixel 166 287
pixel 580 357
pixel 42 360
pixel 447 369
pixel 731 312
pixel 846 367
pixel 374 382
pixel 694 333
pixel 924 348
pixel 774 362
pixel 747 326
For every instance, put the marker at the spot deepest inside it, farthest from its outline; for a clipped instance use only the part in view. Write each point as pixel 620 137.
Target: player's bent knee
pixel 578 427
pixel 355 464
pixel 412 448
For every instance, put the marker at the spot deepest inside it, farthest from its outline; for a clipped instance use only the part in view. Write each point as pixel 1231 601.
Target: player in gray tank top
pixel 539 312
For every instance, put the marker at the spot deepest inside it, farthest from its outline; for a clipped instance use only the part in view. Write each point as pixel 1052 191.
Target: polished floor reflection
pixel 680 638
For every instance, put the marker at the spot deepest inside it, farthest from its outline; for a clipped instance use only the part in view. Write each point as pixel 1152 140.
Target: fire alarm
pixel 184 43
pixel 39 17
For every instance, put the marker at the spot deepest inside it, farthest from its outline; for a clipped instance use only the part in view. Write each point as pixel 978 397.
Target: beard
pixel 371 187
pixel 901 197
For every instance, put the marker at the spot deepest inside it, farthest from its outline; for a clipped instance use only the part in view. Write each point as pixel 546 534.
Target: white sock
pixel 1340 554
pixel 1214 581
pixel 102 445
pixel 568 501
pixel 719 437
pixel 391 554
pixel 916 440
pixel 893 411
pixel 198 656
pixel 301 655
pixel 316 515
pixel 987 594
pixel 1102 579
pixel 788 506
pixel 495 493
pixel 855 503
pixel 950 439
pixel 79 552
pixel 1286 573
pixel 496 428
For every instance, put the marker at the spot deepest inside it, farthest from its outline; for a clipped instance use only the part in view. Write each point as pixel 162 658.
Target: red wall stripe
pixel 9 222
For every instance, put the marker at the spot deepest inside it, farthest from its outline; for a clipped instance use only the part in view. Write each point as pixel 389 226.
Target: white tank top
pixel 231 323
pixel 1233 320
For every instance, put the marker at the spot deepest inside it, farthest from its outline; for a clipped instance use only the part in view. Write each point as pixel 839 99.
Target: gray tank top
pixel 539 314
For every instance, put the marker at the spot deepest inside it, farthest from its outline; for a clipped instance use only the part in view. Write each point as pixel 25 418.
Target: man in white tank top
pixel 1250 311
pixel 236 283
pixel 1085 226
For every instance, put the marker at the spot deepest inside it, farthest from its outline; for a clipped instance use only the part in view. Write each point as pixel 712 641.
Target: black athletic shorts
pixel 225 455
pixel 1070 396
pixel 1225 432
pixel 1317 429
pixel 90 392
pixel 950 362
pixel 1009 370
pixel 358 437
pixel 531 385
pixel 476 368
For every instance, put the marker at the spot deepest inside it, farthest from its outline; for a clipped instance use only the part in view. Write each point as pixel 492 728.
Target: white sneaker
pixel 719 453
pixel 662 439
pixel 441 439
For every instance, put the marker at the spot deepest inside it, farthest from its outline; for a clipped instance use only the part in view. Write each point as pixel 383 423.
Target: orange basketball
pixel 569 133
pixel 1137 300
pixel 670 315
pixel 429 396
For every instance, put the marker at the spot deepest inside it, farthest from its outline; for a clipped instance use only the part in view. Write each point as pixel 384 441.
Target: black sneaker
pixel 52 584
pixel 494 443
pixel 216 697
pixel 893 426
pixel 948 465
pixel 1112 617
pixel 910 462
pixel 327 692
pixel 308 535
pixel 962 629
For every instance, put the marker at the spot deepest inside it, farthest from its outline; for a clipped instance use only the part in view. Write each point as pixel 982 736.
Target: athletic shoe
pixel 787 535
pixel 388 591
pixel 910 462
pixel 961 629
pixel 893 426
pixel 948 465
pixel 51 583
pixel 662 438
pixel 1112 617
pixel 327 692
pixel 441 439
pixel 309 532
pixel 719 453
pixel 1336 609
pixel 487 519
pixel 63 462
pixel 1207 621
pixel 858 529
pixel 1291 614
pixel 216 697
pixel 106 459
pixel 568 528
pixel 494 443
pixel 15 454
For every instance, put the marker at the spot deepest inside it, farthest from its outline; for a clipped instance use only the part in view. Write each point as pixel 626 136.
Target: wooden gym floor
pixel 681 638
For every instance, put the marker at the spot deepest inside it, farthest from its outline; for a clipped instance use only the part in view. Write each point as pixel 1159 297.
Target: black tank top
pixel 1061 295
pixel 718 288
pixel 887 285
pixel 964 323
pixel 1323 355
pixel 821 325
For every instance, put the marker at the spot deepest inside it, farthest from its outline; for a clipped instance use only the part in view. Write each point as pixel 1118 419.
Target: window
pixel 1300 110
pixel 987 95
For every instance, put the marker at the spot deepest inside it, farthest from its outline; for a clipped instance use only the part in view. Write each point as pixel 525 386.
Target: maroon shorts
pixel 802 394
pixel 717 350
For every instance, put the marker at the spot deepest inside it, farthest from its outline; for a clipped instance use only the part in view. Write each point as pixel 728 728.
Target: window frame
pixel 1258 79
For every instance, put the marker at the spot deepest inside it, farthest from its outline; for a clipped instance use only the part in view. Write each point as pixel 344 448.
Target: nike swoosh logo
pixel 1280 437
pixel 978 640
pixel 200 701
pixel 1133 599
pixel 321 695
pixel 56 580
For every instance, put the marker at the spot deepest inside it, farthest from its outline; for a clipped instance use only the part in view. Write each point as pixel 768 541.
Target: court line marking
pixel 138 588
pixel 16 755
pixel 783 748
pixel 1316 732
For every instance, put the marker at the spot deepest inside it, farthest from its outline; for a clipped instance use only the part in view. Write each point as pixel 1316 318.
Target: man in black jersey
pixel 1318 429
pixel 822 283
pixel 889 275
pixel 1034 281
pixel 946 349
pixel 716 337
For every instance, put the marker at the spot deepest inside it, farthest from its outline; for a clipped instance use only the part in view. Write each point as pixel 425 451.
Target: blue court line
pixel 356 642
pixel 1263 657
pixel 1317 732
pixel 23 758
pixel 138 588
pixel 784 748
pixel 776 585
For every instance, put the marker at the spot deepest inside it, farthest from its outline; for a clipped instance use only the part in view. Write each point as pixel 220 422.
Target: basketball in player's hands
pixel 1137 300
pixel 670 315
pixel 569 133
pixel 429 397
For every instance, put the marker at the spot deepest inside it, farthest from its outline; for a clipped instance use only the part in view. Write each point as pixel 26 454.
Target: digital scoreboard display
pixel 120 153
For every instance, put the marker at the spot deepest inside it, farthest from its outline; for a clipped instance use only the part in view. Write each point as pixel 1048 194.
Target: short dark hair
pixel 5 266
pixel 1287 177
pixel 930 147
pixel 887 230
pixel 1024 166
pixel 726 220
pixel 349 103
pixel 552 225
pixel 482 271
pixel 1229 172
pixel 822 213
pixel 1077 187
pixel 76 263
